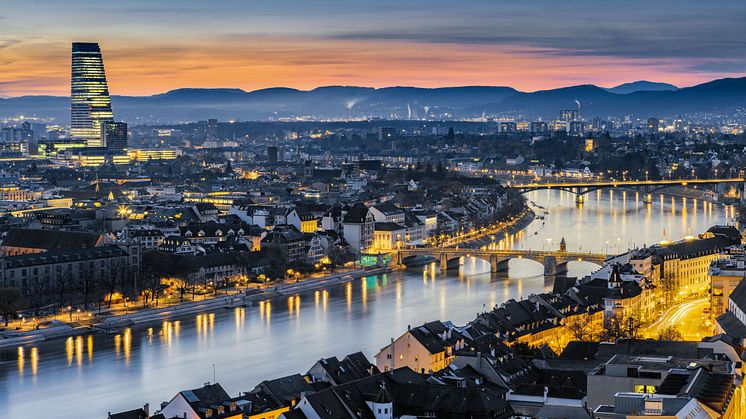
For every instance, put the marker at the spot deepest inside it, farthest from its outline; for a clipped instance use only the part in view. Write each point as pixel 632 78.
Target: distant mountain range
pixel 642 99
pixel 641 85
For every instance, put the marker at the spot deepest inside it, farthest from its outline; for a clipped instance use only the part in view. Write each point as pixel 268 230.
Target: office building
pixel 212 129
pixel 89 94
pixel 568 115
pixel 507 128
pixel 272 154
pixel 114 135
pixel 539 127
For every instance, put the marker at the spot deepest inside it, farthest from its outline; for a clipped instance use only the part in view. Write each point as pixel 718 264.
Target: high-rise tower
pixel 89 94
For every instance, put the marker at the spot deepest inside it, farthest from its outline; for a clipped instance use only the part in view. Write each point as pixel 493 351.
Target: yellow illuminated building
pixel 589 145
pixel 140 155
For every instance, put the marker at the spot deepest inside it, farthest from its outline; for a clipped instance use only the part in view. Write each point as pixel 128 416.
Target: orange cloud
pixel 140 67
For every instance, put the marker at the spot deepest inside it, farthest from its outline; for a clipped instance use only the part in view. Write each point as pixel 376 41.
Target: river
pixel 92 375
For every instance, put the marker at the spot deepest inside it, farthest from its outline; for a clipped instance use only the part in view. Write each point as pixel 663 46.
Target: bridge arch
pixel 555 263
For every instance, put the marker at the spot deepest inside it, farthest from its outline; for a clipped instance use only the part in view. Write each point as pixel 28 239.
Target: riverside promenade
pixel 113 323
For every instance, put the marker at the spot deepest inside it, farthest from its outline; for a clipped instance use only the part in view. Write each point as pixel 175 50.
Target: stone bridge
pixel 647 187
pixel 555 262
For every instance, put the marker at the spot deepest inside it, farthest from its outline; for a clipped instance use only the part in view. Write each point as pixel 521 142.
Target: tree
pixel 11 300
pixel 622 327
pixel 38 289
pixel 62 285
pixel 670 333
pixel 86 281
pixel 581 327
pixel 112 281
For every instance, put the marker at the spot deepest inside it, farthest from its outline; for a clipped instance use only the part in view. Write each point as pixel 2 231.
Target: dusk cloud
pixel 149 46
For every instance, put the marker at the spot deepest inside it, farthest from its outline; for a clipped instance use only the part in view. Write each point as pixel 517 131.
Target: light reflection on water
pixel 276 337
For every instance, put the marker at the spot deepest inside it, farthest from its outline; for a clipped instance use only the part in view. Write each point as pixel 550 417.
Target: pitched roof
pixel 352 367
pixel 738 296
pixel 356 213
pixel 51 239
pixel 48 258
pixel 731 325
pixel 130 414
pixel 285 390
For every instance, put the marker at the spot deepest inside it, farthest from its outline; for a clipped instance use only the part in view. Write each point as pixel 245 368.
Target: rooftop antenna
pixel 213 374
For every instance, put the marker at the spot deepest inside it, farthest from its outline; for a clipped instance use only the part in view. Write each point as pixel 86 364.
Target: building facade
pixel 89 94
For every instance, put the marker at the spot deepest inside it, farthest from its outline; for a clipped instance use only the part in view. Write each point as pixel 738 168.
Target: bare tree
pixel 11 300
pixel 622 327
pixel 582 327
pixel 62 284
pixel 85 283
pixel 112 280
pixel 670 333
pixel 38 287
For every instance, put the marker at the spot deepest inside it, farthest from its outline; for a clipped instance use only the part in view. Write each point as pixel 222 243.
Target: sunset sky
pixel 155 46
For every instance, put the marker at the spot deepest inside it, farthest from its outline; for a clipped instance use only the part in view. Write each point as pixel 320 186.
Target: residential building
pixel 388 236
pixel 290 243
pixel 387 213
pixel 626 378
pixel 210 401
pixel 302 219
pixel 39 274
pixel 725 275
pixel 19 241
pixel 425 349
pixel 358 226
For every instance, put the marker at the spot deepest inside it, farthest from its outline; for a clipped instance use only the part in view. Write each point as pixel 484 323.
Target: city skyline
pixel 153 48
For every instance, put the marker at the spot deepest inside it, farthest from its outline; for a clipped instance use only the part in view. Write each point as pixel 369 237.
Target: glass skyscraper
pixel 114 135
pixel 90 101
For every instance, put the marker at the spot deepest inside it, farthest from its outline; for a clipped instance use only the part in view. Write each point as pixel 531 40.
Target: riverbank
pixel 115 323
pixel 524 219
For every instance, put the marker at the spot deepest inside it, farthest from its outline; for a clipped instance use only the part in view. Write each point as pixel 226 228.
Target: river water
pixel 92 375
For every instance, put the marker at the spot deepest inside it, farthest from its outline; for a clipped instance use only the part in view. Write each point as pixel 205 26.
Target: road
pixel 686 317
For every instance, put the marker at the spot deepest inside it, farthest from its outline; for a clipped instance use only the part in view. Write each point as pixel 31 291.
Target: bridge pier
pixel 498 264
pixel 579 199
pixel 648 199
pixel 550 265
pixel 443 262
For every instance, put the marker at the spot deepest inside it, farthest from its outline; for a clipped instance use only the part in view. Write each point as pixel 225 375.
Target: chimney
pixel 146 409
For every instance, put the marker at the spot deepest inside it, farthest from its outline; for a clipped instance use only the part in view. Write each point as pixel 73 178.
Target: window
pixel 641 388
